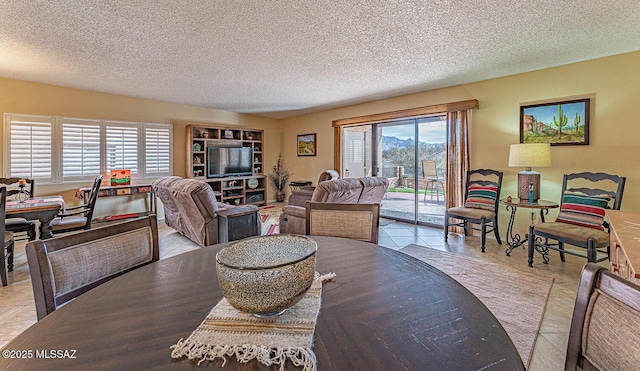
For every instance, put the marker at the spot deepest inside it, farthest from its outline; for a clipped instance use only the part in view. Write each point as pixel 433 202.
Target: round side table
pixel 513 239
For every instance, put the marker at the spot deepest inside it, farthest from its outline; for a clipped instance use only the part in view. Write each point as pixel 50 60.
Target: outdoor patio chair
pixel 433 182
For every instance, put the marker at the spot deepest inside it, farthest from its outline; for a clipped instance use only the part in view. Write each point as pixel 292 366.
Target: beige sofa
pixel 301 196
pixel 365 190
pixel 190 207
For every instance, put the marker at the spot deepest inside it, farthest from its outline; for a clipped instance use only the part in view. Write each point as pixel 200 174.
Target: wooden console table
pixel 123 190
pixel 625 244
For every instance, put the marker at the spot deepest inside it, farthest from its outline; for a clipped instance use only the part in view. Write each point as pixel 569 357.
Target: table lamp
pixel 528 155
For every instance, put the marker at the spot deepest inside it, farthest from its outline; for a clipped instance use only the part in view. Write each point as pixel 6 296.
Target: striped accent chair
pixel 480 210
pixel 580 222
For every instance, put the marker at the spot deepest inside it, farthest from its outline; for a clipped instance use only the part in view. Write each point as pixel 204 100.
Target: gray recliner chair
pixel 300 196
pixel 365 190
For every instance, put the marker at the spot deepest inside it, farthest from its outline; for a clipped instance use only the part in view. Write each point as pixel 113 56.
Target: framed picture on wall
pixel 557 123
pixel 307 145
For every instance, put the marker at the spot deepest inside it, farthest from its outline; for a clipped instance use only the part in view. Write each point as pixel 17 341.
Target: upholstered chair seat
pixel 471 213
pixel 70 222
pixel 573 232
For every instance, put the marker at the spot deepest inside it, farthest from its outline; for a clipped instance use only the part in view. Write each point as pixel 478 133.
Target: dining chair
pixel 433 181
pixel 580 222
pixel 480 206
pixel 77 217
pixel 7 241
pixel 22 228
pixel 355 221
pixel 62 268
pixel 603 333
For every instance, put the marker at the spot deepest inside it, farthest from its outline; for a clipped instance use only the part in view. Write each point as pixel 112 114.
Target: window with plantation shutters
pixel 58 149
pixel 122 147
pixel 157 150
pixel 80 149
pixel 29 144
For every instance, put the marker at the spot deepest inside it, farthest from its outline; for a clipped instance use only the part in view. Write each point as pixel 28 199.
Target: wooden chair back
pixel 65 267
pixel 484 178
pixel 595 184
pixel 603 333
pixel 7 239
pixel 14 183
pixel 355 221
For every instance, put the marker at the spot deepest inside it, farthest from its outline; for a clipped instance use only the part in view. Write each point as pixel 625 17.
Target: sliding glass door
pixel 410 153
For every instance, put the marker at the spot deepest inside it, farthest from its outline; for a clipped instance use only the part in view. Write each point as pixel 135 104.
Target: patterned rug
pixel 270 219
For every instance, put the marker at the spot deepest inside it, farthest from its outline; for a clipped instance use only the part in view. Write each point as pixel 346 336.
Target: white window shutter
pixel 80 149
pixel 157 150
pixel 122 147
pixel 30 147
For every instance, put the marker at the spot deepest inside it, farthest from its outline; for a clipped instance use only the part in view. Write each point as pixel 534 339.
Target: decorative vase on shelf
pixel 205 134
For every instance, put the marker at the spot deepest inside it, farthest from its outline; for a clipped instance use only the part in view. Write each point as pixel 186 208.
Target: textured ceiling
pixel 280 58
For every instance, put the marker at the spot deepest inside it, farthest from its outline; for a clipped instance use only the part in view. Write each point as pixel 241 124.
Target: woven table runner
pixel 227 332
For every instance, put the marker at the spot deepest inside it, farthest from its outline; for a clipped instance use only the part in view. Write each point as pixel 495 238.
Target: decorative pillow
pixel 586 211
pixel 482 197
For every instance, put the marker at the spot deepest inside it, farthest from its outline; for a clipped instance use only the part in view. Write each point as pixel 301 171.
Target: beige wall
pixel 613 84
pixel 23 97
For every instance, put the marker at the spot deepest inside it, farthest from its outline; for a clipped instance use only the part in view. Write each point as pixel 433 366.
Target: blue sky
pixel 430 132
pixel 546 113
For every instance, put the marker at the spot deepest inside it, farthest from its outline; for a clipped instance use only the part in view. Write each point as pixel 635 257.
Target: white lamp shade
pixel 530 155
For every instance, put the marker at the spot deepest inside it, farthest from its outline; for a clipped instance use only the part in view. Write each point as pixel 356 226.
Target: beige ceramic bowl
pixel 265 275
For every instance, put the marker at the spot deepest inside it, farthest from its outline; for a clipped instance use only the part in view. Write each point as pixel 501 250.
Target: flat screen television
pixel 229 161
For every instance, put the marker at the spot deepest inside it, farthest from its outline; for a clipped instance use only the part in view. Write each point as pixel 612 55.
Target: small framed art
pixel 307 145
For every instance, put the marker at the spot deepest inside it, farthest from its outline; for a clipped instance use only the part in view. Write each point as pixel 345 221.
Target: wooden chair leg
pixel 9 256
pixel 3 271
pixel 561 248
pixel 446 223
pixel 496 232
pixel 483 233
pixel 591 250
pixel 531 239
pixel 31 233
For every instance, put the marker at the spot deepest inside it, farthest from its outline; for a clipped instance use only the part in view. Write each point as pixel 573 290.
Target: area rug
pixel 270 216
pixel 516 298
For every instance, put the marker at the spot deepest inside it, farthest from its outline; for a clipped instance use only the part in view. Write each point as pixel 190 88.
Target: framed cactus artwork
pixel 557 123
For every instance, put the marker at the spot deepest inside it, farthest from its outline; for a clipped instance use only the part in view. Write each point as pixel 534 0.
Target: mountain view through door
pixel 416 174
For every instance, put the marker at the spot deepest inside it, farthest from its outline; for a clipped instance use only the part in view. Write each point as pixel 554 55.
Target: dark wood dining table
pixel 384 310
pixel 43 209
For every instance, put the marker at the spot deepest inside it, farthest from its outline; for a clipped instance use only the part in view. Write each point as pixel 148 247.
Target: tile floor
pixel 17 311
